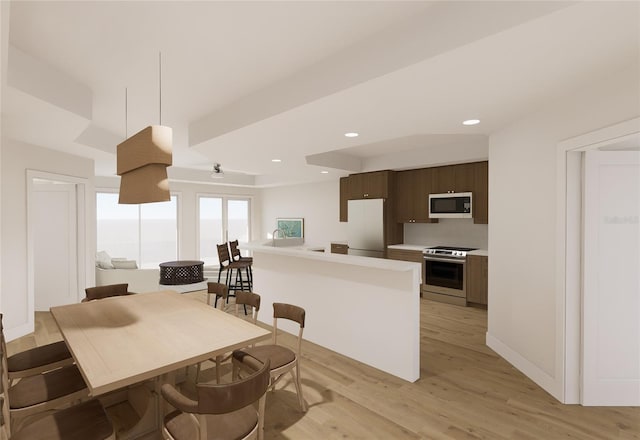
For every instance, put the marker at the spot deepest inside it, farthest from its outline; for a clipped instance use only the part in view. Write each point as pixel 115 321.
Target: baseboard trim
pixel 532 371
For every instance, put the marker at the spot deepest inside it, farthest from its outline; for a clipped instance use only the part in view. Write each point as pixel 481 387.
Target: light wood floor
pixel 465 392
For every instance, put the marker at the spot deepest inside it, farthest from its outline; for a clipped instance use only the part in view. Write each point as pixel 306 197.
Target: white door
pixel 611 279
pixel 55 260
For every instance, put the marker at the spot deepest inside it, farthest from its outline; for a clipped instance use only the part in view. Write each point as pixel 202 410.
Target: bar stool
pixel 228 265
pixel 235 256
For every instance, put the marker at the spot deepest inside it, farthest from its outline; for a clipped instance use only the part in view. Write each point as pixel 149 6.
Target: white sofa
pixel 139 280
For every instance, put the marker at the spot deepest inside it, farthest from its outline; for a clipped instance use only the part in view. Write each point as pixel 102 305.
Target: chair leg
pixel 218 365
pixel 296 381
pixel 198 371
pixel 234 371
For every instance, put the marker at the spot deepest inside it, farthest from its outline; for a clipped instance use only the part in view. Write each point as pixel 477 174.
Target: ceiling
pixel 247 82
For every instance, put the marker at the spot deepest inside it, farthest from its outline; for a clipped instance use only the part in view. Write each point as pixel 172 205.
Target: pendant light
pixel 142 161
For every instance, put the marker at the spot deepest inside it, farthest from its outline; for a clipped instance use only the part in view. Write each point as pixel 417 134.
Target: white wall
pixel 448 232
pixel 17 157
pixel 4 53
pixel 317 203
pixel 526 313
pixel 188 204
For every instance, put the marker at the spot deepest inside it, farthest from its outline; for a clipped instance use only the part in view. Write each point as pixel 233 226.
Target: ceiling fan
pixel 217 172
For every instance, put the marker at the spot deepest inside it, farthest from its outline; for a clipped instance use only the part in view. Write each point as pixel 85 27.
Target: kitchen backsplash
pixel 451 232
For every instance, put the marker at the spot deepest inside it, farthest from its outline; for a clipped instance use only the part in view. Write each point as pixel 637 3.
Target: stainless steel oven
pixel 445 270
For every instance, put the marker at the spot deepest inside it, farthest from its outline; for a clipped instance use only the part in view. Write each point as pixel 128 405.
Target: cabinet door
pixel 477 279
pixel 339 248
pixel 376 185
pixel 444 179
pixel 405 196
pixel 344 197
pixel 373 185
pixel 464 176
pixel 481 193
pixel 423 186
pixel 356 186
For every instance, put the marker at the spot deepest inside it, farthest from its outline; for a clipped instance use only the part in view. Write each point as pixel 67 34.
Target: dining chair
pixel 101 292
pixel 250 299
pixel 244 299
pixel 40 393
pixel 37 360
pixel 219 291
pixel 236 256
pixel 85 421
pixel 220 411
pixel 282 359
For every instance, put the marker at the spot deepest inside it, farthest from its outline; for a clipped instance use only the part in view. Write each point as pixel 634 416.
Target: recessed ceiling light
pixel 276 160
pixel 324 172
pixel 471 122
pixel 351 134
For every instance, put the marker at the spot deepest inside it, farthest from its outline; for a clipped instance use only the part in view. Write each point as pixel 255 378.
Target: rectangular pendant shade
pixel 142 162
pixel 146 184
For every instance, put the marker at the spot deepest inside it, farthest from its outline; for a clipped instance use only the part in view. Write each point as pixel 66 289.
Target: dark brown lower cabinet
pixel 477 279
pixel 339 248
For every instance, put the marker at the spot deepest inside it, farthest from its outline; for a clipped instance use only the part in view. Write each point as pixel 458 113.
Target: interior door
pixel 611 282
pixel 55 245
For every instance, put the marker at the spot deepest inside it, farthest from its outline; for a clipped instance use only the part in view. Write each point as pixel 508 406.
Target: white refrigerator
pixel 365 228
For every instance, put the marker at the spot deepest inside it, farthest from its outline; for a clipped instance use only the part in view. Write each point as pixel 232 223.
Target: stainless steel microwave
pixel 451 205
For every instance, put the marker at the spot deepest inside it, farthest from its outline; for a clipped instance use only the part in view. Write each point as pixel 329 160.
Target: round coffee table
pixel 181 272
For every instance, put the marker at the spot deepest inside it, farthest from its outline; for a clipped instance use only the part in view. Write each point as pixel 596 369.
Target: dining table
pixel 123 341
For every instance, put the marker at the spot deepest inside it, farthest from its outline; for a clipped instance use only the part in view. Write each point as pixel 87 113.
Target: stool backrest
pixel 235 252
pixel 223 254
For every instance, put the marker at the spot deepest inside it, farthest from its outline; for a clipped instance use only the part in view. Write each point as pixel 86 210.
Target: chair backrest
pixel 223 254
pixel 244 298
pixel 226 398
pixel 219 290
pixel 235 252
pixel 100 292
pixel 292 313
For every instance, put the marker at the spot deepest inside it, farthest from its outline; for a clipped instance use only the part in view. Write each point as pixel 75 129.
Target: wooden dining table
pixel 121 341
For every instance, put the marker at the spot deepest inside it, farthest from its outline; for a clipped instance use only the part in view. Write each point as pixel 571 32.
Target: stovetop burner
pixel 452 248
pixel 448 251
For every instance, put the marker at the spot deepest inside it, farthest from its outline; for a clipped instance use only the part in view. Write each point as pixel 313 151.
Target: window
pixel 221 219
pixel 147 233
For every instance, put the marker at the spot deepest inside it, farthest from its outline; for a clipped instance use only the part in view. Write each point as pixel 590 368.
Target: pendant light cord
pixel 126 116
pixel 160 82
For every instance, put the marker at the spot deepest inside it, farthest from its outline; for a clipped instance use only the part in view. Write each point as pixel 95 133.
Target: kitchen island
pixel 365 308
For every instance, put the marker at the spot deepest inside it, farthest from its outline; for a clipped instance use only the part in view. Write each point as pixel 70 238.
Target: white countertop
pixel 421 247
pixel 306 252
pixel 409 247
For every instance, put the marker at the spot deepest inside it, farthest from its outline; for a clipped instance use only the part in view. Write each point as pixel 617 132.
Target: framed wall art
pixel 292 227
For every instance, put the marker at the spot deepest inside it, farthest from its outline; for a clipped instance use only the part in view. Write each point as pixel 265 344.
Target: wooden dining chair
pixel 86 421
pixel 220 411
pixel 40 393
pixel 282 359
pixel 248 299
pixel 244 299
pixel 37 360
pixel 109 290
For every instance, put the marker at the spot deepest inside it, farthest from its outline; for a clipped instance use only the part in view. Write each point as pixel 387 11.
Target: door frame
pixel 225 218
pixel 84 270
pixel 569 249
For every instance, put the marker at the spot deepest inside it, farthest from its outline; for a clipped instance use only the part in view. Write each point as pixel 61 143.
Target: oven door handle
pixel 446 260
